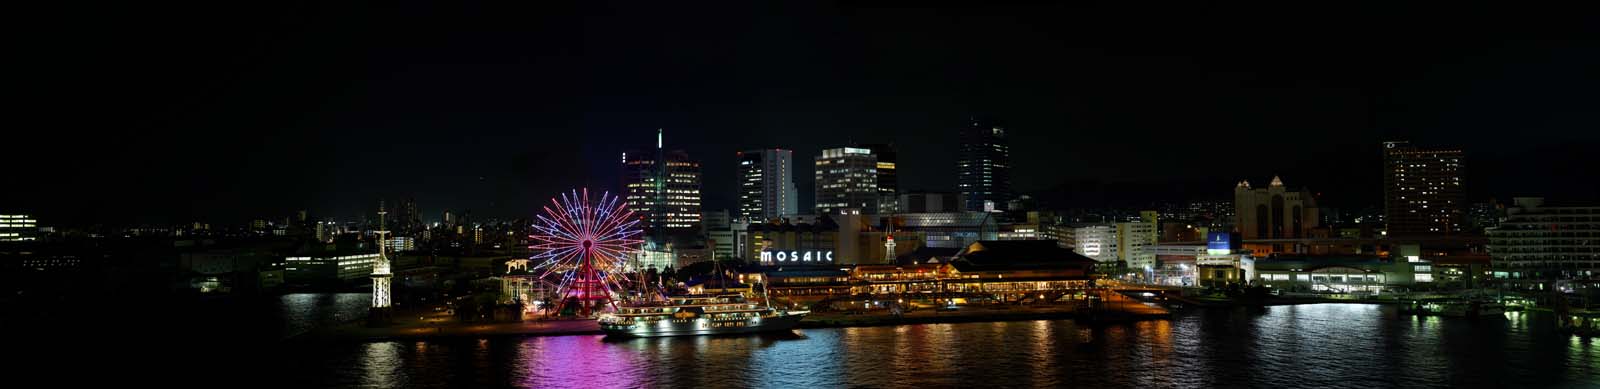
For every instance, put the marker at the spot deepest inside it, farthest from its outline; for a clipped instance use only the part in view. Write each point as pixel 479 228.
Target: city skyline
pixel 607 194
pixel 476 120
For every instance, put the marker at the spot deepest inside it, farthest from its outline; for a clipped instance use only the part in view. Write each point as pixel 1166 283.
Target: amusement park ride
pixel 584 244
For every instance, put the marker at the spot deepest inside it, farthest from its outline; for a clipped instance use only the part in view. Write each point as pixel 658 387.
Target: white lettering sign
pixel 797 256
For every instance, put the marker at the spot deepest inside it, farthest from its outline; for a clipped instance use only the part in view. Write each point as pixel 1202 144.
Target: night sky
pixel 158 113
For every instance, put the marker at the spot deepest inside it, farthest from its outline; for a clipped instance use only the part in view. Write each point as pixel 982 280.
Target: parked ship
pixel 1456 307
pixel 1582 323
pixel 697 315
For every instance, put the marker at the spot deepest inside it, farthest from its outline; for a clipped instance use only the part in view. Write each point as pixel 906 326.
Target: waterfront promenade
pixel 438 325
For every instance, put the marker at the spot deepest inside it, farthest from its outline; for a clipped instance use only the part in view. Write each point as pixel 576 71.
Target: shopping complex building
pixel 982 268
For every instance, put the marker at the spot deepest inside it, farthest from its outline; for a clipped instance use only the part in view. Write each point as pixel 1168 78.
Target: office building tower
pixel 983 170
pixel 1274 212
pixel 847 178
pixel 766 185
pixel 888 177
pixel 1423 193
pixel 18 228
pixel 664 191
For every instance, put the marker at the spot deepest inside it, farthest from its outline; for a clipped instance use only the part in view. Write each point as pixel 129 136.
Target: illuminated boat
pixel 697 315
pixel 1582 323
pixel 1458 307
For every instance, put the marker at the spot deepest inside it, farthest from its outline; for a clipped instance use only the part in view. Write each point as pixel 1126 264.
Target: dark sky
pixel 153 112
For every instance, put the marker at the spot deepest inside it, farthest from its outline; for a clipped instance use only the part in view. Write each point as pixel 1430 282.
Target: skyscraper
pixel 888 177
pixel 1422 190
pixel 664 191
pixel 983 170
pixel 766 184
pixel 847 178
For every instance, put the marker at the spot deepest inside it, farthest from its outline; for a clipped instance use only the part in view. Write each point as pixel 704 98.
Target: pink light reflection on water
pixel 576 362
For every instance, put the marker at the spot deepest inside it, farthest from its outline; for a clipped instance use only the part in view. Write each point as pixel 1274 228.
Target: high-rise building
pixel 18 228
pixel 406 219
pixel 664 191
pixel 766 184
pixel 1274 212
pixel 888 177
pixel 1422 190
pixel 847 178
pixel 1538 246
pixel 983 170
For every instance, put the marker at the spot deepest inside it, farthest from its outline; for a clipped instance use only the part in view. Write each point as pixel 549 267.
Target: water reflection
pixel 1290 346
pixel 300 312
pixel 381 365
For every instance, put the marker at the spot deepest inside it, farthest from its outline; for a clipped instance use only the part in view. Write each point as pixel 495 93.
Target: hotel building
pixel 1423 193
pixel 1542 247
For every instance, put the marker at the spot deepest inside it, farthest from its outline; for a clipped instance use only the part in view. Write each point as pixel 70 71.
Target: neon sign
pixel 1219 243
pixel 797 257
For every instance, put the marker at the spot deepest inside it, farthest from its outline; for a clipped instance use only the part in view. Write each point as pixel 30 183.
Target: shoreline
pixel 357 331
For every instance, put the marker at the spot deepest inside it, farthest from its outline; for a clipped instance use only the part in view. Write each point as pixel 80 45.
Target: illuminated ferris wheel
pixel 585 244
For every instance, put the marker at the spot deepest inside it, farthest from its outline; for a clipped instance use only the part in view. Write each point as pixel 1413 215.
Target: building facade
pixel 766 184
pixel 1423 192
pixel 845 238
pixel 329 268
pixel 1096 241
pixel 1342 274
pixel 983 167
pixel 949 229
pixel 720 233
pixel 1274 212
pixel 847 177
pixel 1136 246
pixel 931 202
pixel 1011 270
pixel 1543 247
pixel 888 177
pixel 18 228
pixel 664 190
